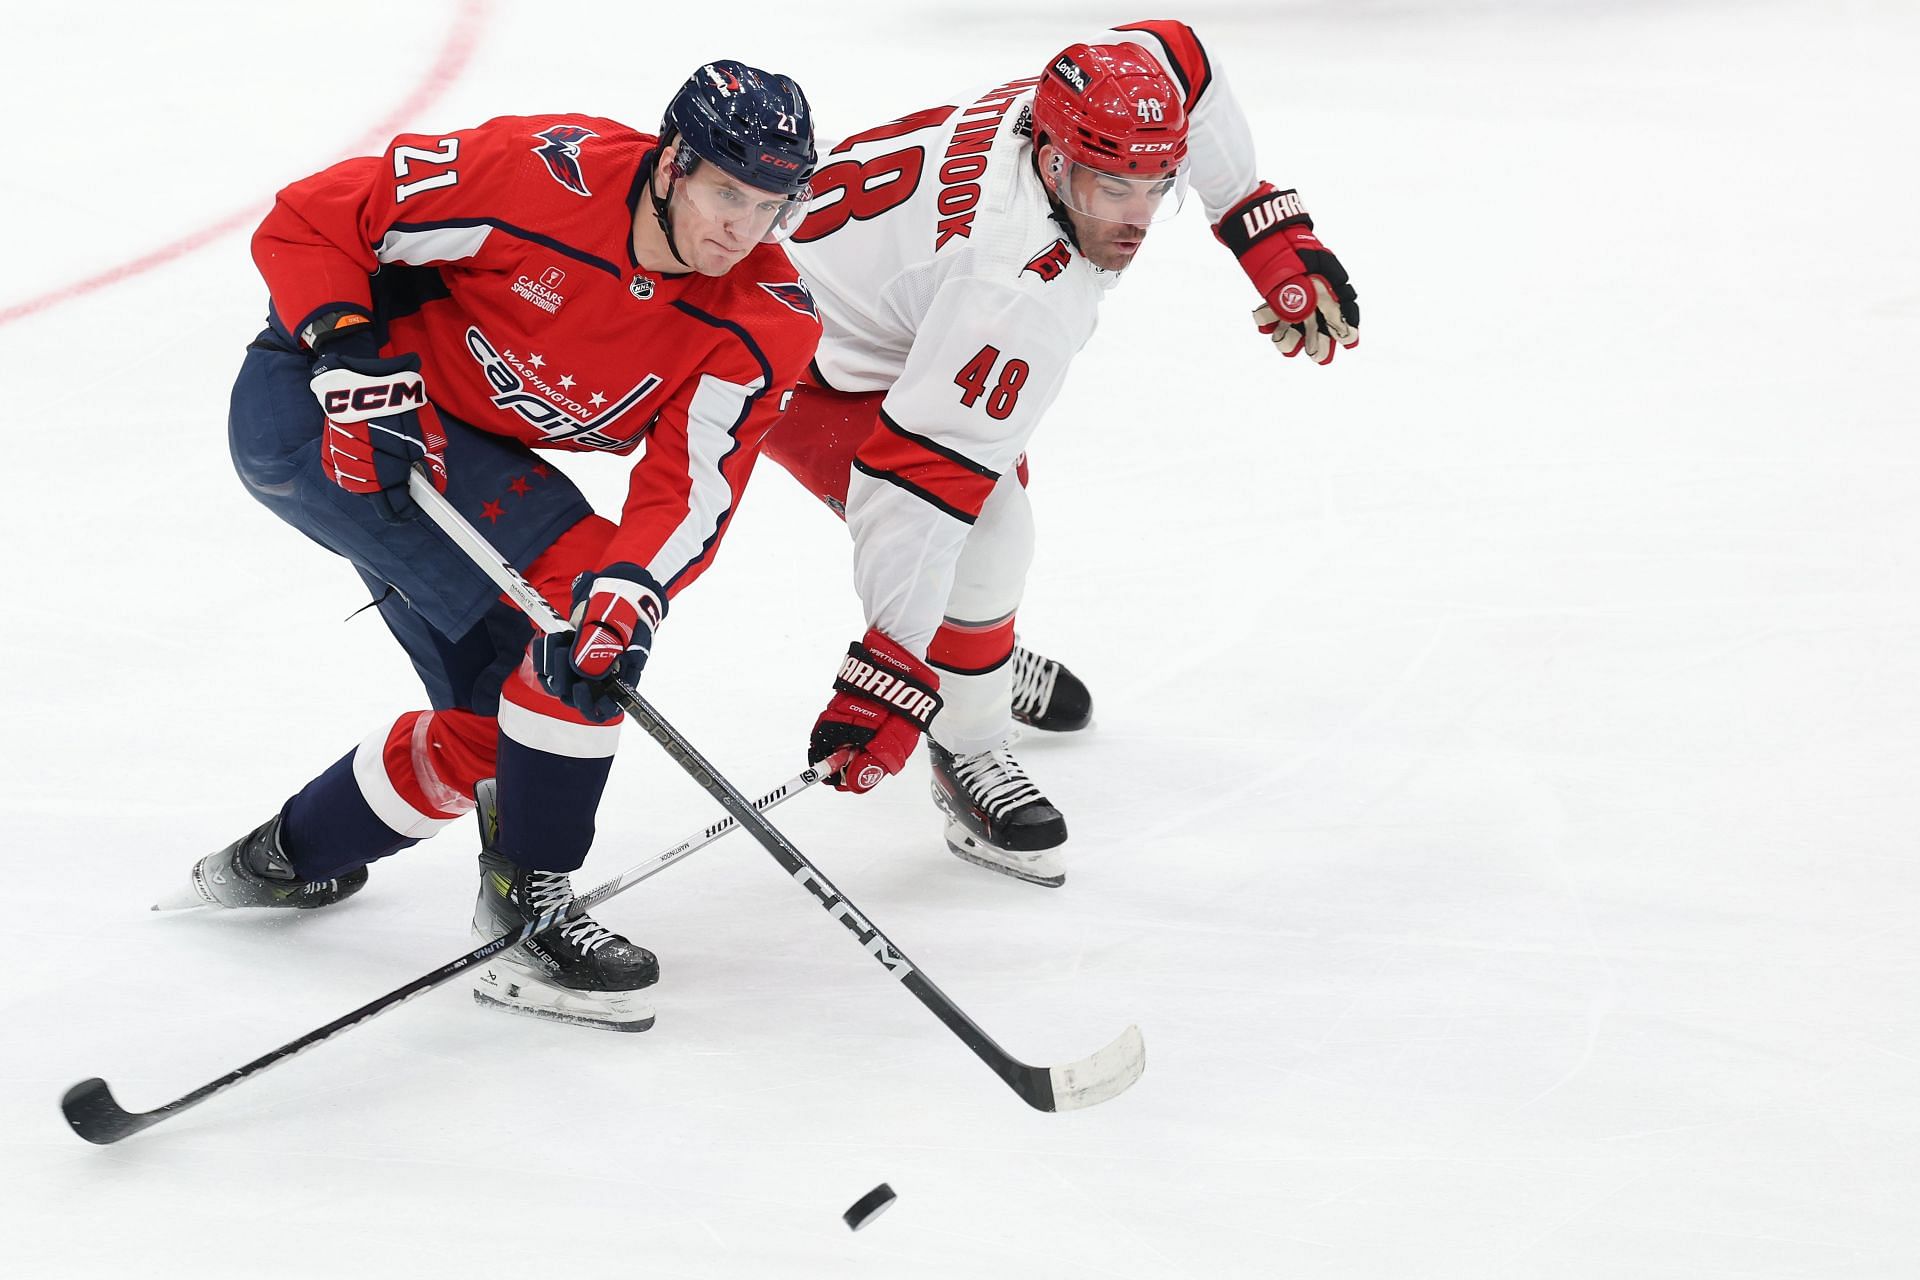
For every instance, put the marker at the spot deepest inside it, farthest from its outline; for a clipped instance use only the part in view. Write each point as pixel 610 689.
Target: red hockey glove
pixel 1309 303
pixel 378 425
pixel 615 613
pixel 883 700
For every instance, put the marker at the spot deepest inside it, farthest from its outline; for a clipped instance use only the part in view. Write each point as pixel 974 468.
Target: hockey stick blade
pixel 1106 1074
pixel 95 1116
pixel 1085 1083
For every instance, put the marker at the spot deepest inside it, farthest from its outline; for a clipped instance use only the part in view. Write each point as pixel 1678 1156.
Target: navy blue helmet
pixel 755 125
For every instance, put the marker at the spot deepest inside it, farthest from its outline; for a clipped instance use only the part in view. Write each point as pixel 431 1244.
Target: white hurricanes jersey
pixel 943 280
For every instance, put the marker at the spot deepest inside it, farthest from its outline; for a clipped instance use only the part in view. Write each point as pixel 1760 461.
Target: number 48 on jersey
pixel 1005 394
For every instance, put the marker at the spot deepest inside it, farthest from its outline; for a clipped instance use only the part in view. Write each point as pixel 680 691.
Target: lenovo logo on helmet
pixel 1069 70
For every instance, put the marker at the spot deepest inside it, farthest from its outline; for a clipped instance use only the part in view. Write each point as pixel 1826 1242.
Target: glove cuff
pixel 879 670
pixel 1259 216
pixel 629 582
pixel 354 390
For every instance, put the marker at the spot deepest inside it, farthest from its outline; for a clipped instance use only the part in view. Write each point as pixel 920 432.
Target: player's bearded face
pixel 1107 245
pixel 1110 214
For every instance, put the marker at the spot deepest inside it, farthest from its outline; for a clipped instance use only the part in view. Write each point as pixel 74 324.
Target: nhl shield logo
pixel 640 286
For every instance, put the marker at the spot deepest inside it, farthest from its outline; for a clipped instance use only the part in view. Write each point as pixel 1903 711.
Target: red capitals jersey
pixel 503 256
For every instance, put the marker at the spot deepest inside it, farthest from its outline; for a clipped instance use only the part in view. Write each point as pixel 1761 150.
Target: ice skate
pixel 580 971
pixel 254 871
pixel 1048 696
pixel 996 817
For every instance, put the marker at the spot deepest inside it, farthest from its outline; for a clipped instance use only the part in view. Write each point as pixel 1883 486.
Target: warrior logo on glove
pixel 1309 303
pixel 883 700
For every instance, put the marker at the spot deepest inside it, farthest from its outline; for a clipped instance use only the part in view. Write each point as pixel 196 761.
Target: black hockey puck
pixel 868 1207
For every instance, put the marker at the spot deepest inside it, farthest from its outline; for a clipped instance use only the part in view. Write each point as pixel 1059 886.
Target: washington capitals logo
pixel 793 295
pixel 562 155
pixel 1050 261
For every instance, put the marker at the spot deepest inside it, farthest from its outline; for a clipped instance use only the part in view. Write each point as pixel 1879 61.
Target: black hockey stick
pixel 90 1107
pixel 1093 1079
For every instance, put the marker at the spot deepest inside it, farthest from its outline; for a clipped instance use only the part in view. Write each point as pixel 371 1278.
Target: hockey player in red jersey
pixel 461 302
pixel 959 255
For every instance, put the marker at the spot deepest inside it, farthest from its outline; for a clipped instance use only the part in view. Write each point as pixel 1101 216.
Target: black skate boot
pixel 254 871
pixel 580 971
pixel 1048 696
pixel 996 817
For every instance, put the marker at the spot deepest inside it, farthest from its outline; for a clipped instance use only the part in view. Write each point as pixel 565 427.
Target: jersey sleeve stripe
pixel 718 411
pixel 714 418
pixel 938 450
pixel 405 232
pixel 954 483
pixel 1185 56
pixel 945 478
pixel 932 500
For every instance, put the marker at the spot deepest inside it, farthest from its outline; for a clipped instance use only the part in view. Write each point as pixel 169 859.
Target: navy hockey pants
pixel 465 642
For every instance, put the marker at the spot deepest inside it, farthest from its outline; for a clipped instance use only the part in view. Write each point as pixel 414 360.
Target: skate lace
pixel 547 890
pixel 996 782
pixel 1033 678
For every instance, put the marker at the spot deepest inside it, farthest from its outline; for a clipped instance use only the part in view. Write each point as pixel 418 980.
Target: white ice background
pixel 1501 812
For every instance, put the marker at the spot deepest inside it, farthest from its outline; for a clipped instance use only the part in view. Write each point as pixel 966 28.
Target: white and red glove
pixel 615 613
pixel 1309 303
pixel 378 424
pixel 883 700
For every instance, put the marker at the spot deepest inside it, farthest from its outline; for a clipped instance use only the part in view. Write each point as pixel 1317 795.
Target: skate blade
pixel 1041 868
pixel 517 992
pixel 185 897
pixel 556 1015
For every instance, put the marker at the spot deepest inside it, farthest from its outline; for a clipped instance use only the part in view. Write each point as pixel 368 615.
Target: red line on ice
pixel 454 55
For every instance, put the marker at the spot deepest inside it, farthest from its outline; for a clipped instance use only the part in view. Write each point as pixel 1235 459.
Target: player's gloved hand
pixel 615 613
pixel 378 425
pixel 883 700
pixel 1310 305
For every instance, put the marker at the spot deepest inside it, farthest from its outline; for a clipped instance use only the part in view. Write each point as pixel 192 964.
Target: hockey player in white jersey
pixel 959 256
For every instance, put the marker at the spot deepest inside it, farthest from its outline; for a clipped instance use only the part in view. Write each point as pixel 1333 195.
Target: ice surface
pixel 1500 817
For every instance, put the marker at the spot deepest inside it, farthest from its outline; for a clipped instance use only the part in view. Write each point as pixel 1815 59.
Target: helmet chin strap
pixel 660 204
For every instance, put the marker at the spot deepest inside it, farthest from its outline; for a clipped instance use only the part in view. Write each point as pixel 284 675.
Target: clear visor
pixel 748 213
pixel 1113 197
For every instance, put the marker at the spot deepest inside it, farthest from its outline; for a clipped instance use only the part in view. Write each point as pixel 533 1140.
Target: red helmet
pixel 1110 107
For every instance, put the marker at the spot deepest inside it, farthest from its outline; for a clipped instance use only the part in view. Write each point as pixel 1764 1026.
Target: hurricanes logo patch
pixel 794 295
pixel 560 152
pixel 1050 261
